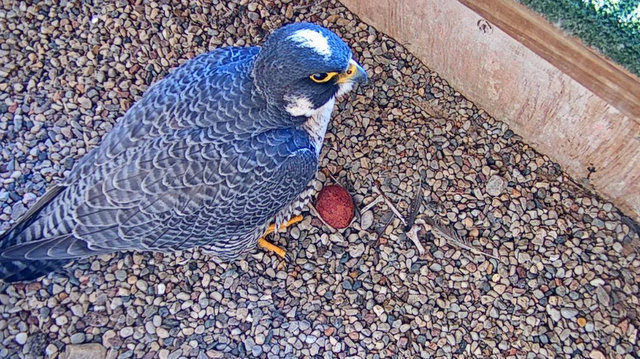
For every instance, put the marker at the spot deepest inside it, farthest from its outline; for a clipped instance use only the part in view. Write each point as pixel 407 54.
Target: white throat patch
pixel 344 88
pixel 313 40
pixel 316 125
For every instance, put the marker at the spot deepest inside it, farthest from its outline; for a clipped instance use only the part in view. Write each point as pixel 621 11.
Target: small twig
pixel 429 205
pixel 335 180
pixel 388 202
pixel 413 235
pixel 451 236
pixel 372 204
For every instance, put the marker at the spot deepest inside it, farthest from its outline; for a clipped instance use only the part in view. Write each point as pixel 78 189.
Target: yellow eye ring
pixel 321 78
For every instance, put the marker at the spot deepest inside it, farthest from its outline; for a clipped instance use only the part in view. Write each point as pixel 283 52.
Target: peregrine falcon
pixel 214 153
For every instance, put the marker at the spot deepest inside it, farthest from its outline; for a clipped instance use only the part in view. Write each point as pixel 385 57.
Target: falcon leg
pixel 270 247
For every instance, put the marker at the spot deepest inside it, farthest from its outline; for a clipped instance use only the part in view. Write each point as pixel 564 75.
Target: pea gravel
pixel 566 284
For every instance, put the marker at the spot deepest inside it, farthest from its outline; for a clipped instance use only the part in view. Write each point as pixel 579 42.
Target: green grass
pixel 610 26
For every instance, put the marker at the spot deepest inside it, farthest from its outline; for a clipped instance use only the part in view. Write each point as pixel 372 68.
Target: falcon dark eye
pixel 322 77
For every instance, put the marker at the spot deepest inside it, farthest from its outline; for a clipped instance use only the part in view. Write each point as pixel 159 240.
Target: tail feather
pixel 15 269
pixel 63 247
pixel 10 237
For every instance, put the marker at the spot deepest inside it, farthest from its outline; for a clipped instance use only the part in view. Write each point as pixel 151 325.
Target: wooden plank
pixel 551 110
pixel 604 78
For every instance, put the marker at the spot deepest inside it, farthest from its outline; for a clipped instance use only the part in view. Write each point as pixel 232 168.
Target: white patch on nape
pixel 299 106
pixel 313 40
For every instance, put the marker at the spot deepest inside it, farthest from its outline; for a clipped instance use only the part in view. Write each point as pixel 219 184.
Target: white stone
pixel 496 185
pixel 366 220
pixel 21 338
pixel 356 251
pixel 85 351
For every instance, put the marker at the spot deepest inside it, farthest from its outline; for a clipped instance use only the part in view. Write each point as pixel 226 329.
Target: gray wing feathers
pixel 64 247
pixel 182 202
pixel 173 174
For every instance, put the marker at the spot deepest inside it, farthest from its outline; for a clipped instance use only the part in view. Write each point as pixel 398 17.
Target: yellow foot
pixel 283 226
pixel 270 247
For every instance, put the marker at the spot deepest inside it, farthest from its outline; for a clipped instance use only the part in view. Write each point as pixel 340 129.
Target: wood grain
pixel 576 125
pixel 604 78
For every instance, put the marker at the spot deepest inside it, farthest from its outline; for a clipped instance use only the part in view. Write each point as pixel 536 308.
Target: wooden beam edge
pixel 605 79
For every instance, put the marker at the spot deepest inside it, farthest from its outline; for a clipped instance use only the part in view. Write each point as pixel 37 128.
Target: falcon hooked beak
pixel 354 74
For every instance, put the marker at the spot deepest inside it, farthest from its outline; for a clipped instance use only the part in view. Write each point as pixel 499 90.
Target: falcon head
pixel 303 66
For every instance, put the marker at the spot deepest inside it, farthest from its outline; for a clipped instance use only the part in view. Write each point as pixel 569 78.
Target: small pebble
pixel 21 338
pixel 496 185
pixel 568 313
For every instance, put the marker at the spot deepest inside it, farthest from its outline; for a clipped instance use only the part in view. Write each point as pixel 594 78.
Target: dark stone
pixel 222 317
pixel 347 285
pixel 163 312
pixel 561 240
pixel 357 285
pixel 544 339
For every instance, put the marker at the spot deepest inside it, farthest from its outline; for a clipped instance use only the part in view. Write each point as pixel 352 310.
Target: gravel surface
pixel 565 284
